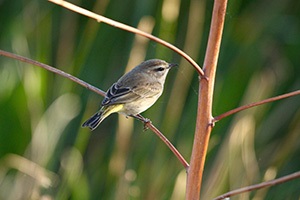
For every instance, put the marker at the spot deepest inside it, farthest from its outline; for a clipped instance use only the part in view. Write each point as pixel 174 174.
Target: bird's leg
pixel 143 119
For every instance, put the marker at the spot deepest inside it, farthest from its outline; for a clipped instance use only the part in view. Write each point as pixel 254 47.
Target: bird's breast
pixel 140 105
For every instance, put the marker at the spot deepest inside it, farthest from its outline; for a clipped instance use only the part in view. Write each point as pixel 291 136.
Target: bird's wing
pixel 119 94
pixel 148 90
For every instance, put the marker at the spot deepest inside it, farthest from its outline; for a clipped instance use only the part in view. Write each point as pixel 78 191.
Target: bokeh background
pixel 44 152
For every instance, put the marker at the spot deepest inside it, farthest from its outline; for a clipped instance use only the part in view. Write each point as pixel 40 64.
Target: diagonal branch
pixel 52 69
pixel 128 28
pixel 149 124
pixel 233 111
pixel 170 145
pixel 98 91
pixel 260 185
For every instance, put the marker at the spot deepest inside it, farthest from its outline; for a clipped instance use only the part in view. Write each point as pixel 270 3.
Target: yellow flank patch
pixel 111 109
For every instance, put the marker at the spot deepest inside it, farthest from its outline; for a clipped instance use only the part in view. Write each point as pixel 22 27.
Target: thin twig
pixel 260 185
pixel 54 70
pixel 100 18
pixel 98 91
pixel 233 111
pixel 167 142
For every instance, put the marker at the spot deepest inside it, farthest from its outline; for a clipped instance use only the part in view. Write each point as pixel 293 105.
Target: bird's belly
pixel 138 106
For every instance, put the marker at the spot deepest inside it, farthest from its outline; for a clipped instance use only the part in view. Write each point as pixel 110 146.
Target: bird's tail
pixel 97 118
pixel 94 121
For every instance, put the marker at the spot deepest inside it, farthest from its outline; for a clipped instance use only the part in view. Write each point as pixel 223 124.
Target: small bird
pixel 134 92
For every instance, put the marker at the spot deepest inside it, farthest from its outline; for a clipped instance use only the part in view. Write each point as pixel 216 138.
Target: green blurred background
pixel 45 154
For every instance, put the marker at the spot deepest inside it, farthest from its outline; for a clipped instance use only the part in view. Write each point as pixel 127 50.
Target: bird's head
pixel 156 68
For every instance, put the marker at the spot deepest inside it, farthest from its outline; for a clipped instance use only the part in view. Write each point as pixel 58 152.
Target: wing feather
pixel 117 94
pixel 120 93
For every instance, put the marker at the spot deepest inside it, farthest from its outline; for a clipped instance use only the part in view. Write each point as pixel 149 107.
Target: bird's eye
pixel 159 69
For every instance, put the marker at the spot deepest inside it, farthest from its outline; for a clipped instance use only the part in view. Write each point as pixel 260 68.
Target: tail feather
pixel 97 118
pixel 94 121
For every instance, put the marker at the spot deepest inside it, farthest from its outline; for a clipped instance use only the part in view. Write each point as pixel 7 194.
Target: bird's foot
pixel 146 121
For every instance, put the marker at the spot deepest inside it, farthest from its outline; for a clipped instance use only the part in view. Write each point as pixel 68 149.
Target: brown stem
pixel 149 124
pixel 204 116
pixel 125 27
pixel 54 70
pixel 260 185
pixel 233 111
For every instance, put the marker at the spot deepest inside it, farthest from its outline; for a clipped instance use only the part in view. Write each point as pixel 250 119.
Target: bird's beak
pixel 173 65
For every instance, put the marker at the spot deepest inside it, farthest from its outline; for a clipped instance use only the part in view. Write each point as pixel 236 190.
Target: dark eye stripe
pixel 159 69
